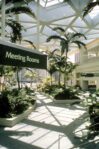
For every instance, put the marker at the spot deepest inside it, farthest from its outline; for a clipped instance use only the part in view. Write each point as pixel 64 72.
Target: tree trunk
pixel 59 81
pixel 65 75
pixel 18 78
pixel 51 79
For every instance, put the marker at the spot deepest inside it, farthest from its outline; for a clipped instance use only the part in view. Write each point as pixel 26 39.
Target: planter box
pixel 67 101
pixel 14 120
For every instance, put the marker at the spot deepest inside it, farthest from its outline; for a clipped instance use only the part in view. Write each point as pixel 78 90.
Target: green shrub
pixel 66 93
pixel 13 102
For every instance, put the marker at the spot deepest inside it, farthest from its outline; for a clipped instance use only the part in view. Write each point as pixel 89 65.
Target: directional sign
pixel 19 56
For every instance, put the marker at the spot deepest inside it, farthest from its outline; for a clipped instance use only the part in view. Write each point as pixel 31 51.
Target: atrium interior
pixel 49 60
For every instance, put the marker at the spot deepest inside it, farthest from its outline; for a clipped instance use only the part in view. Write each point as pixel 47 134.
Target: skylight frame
pixel 49 3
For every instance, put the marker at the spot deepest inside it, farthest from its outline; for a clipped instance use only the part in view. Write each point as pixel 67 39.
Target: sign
pixel 87 74
pixel 10 55
pixel 90 74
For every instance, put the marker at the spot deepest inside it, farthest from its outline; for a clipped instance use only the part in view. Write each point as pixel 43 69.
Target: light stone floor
pixel 50 126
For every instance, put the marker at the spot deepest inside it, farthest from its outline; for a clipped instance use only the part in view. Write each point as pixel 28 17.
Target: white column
pixel 38 24
pixel 83 55
pixel 84 84
pixel 3 19
pixel 97 85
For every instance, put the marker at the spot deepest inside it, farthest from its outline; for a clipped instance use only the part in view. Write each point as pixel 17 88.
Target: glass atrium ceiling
pixel 56 13
pixel 47 3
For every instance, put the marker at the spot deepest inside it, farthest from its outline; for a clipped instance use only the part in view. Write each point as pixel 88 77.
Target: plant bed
pixel 67 101
pixel 67 95
pixel 16 119
pixel 15 105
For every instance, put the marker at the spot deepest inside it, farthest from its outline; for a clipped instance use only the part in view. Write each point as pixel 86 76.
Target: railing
pixel 91 59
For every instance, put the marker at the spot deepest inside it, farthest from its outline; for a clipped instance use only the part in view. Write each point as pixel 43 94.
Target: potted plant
pixel 65 41
pixel 65 67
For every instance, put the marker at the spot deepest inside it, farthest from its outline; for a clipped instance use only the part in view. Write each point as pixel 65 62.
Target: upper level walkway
pixel 50 126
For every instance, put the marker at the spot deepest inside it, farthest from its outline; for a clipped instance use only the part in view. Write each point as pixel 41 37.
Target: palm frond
pixel 16 30
pixel 59 28
pixel 90 7
pixel 21 9
pixel 64 46
pixel 14 1
pixel 79 44
pixel 52 53
pixel 31 43
pixel 53 37
pixel 55 50
pixel 77 35
pixel 67 36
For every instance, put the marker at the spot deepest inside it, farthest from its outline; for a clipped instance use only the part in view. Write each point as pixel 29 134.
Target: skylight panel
pixel 48 3
pixel 94 12
pixel 65 21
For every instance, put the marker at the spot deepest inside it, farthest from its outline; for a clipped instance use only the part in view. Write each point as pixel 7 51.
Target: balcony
pixel 89 65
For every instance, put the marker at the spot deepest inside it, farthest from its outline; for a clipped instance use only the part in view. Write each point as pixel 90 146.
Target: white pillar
pixel 83 55
pixel 38 24
pixel 97 85
pixel 3 19
pixel 84 84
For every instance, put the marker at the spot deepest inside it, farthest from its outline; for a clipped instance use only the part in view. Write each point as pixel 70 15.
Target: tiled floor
pixel 50 126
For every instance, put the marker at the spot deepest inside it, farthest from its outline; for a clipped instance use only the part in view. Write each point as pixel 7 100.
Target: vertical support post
pixel 38 24
pixel 3 19
pixel 83 55
pixel 84 84
pixel 97 85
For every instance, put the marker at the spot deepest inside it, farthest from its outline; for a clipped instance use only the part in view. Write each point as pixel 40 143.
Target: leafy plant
pixel 13 102
pixel 66 93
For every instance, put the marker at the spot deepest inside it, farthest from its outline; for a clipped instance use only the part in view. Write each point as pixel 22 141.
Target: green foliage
pixel 46 82
pixel 59 92
pixel 13 102
pixel 16 30
pixel 51 89
pixel 31 43
pixel 66 93
pixel 28 90
pixel 21 9
pixel 15 26
pixel 66 39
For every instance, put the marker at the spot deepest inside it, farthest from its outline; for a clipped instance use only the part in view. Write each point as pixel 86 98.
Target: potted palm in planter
pixel 65 41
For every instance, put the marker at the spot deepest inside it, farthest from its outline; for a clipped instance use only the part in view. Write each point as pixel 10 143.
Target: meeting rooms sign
pixel 22 58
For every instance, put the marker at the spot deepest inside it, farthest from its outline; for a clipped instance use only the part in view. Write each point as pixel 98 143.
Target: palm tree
pixel 31 74
pixel 58 63
pixel 70 67
pixel 52 66
pixel 65 41
pixel 16 27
